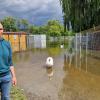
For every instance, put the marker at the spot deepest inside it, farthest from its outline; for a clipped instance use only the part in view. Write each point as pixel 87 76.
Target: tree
pixel 33 29
pixel 83 14
pixel 9 24
pixel 43 30
pixel 54 28
pixel 24 24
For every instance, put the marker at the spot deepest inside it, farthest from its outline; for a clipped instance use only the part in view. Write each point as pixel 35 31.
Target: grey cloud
pixel 34 10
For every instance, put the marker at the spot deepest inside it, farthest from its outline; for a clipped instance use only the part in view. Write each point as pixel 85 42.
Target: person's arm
pixel 14 81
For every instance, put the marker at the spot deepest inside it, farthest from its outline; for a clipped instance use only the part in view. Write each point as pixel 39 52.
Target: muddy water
pixel 68 81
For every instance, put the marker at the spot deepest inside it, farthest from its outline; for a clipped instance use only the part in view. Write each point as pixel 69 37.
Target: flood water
pixel 70 80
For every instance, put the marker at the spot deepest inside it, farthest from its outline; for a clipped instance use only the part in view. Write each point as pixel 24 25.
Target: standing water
pixel 76 75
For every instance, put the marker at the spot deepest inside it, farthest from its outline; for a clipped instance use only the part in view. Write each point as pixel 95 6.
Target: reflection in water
pixel 69 55
pixel 83 60
pixel 75 84
pixel 80 82
pixel 78 85
pixel 50 72
pixel 22 56
pixel 65 63
pixel 54 51
pixel 49 65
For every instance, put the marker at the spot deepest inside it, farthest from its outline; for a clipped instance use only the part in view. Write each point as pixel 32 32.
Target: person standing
pixel 7 72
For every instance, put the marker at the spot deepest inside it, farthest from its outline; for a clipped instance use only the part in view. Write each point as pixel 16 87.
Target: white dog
pixel 49 62
pixel 61 46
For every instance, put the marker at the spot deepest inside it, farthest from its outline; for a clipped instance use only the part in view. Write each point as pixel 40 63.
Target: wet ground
pixel 69 82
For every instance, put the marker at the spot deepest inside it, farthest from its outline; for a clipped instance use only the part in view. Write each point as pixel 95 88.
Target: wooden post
pixel 76 48
pixel 19 41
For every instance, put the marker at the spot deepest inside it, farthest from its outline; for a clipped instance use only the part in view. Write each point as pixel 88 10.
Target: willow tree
pixel 82 14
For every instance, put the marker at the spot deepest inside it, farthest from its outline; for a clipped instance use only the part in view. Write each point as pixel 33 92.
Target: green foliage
pixel 53 43
pixel 68 33
pixel 23 24
pixel 33 29
pixel 43 30
pixel 54 28
pixel 17 94
pixel 9 24
pixel 12 25
pixel 83 14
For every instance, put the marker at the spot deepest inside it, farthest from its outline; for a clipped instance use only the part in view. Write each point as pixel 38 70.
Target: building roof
pixel 14 33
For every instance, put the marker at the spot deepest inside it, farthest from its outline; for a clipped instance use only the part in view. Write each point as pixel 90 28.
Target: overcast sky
pixel 36 11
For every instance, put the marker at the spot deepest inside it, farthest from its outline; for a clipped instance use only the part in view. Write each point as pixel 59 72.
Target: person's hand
pixel 14 81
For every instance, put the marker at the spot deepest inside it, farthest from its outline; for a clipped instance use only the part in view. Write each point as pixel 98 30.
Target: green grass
pixel 17 94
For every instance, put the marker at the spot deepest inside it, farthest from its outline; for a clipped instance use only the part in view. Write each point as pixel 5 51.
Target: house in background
pixel 17 40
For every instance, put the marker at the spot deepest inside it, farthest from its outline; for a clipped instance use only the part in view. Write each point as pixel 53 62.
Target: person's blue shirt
pixel 5 56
